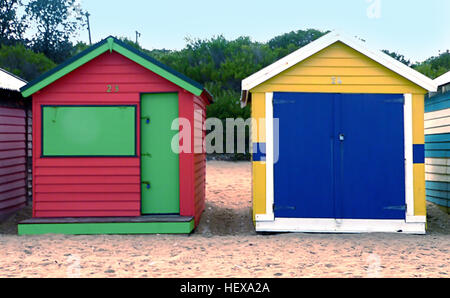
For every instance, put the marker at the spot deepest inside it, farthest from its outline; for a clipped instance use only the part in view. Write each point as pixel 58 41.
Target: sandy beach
pixel 225 245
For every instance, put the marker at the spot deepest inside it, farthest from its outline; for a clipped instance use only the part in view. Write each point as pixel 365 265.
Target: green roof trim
pixel 113 44
pixel 110 41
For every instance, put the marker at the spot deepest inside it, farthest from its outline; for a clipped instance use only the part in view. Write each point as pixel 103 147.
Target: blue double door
pixel 339 156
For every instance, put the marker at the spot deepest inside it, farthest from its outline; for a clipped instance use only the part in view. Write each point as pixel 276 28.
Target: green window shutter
pixel 88 131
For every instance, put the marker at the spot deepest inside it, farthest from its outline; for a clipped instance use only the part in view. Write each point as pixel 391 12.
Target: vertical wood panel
pixel 259 114
pixel 187 195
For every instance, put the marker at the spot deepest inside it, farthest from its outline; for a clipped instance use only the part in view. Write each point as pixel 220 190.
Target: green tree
pixel 79 47
pixel 287 43
pixel 23 62
pixel 11 26
pixel 56 21
pixel 398 57
pixel 434 66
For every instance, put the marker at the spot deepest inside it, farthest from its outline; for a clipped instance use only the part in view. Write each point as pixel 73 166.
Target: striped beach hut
pixel 14 141
pixel 437 146
pixel 339 141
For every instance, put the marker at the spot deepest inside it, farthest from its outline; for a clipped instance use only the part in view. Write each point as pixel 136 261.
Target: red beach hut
pixel 115 148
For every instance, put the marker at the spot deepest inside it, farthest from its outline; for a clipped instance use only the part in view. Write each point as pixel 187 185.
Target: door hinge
pixel 284 208
pixel 401 207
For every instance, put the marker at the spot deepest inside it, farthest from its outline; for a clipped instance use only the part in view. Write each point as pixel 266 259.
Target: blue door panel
pixel 372 166
pixel 340 156
pixel 303 175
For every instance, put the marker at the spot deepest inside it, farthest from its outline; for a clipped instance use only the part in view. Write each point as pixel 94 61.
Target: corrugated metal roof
pixel 443 80
pixel 10 82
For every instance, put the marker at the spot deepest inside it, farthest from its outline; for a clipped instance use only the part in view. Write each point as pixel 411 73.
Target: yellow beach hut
pixel 338 141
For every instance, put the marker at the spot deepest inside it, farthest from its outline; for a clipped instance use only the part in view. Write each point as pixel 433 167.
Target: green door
pixel 159 164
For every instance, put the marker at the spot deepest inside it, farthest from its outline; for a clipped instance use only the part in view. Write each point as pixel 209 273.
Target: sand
pixel 225 245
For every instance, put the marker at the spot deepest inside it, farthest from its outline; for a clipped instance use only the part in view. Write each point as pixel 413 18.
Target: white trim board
pixel 10 82
pixel 327 40
pixel 325 225
pixel 409 165
pixel 269 216
pixel 443 80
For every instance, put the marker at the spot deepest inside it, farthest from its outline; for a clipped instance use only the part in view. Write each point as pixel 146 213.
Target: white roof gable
pixel 10 81
pixel 325 41
pixel 443 80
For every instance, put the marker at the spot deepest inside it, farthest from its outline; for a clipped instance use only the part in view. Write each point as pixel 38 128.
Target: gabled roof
pixel 443 80
pixel 322 43
pixel 113 44
pixel 10 82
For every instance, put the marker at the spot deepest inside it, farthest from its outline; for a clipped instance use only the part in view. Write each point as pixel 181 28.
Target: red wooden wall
pixel 94 187
pixel 199 156
pixel 12 160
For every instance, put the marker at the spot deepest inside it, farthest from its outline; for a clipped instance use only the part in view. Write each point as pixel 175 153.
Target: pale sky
pixel 417 29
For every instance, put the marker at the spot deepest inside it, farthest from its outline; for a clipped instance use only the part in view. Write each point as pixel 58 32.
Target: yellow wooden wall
pixel 338 69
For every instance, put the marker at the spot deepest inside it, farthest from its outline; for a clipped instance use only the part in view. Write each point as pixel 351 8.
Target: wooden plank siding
pixel 199 157
pixel 92 186
pixel 352 72
pixel 12 160
pixel 437 150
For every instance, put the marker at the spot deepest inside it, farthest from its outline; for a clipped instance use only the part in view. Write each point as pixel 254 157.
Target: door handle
pixel 341 137
pixel 147 183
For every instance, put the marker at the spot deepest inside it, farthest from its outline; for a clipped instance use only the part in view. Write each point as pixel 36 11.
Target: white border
pixel 443 80
pixel 409 174
pixel 10 82
pixel 322 225
pixel 327 40
pixel 411 224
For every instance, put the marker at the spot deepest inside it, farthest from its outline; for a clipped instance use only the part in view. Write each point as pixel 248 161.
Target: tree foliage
pixel 56 22
pixel 11 26
pixel 398 57
pixel 434 66
pixel 287 43
pixel 23 62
